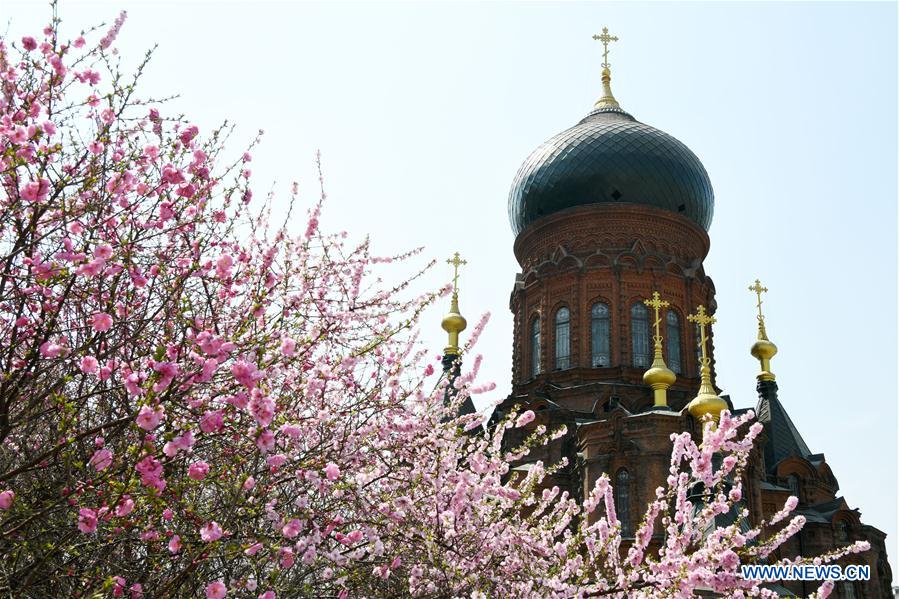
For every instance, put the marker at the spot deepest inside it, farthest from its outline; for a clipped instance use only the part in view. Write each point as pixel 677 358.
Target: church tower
pixel 611 219
pixel 613 315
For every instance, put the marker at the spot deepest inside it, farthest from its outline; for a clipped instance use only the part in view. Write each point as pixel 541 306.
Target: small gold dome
pixel 706 403
pixel 659 375
pixel 454 323
pixel 763 349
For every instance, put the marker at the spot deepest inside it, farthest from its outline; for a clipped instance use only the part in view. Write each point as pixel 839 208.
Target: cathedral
pixel 613 335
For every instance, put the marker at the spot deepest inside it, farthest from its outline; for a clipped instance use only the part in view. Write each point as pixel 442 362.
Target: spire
pixel 763 349
pixel 706 401
pixel 454 323
pixel 607 100
pixel 659 376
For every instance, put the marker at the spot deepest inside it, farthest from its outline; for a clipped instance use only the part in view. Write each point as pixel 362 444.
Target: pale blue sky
pixel 423 113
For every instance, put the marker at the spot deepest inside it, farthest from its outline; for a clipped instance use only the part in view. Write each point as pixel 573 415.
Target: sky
pixel 423 113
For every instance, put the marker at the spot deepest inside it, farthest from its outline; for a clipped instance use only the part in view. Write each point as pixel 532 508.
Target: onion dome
pixel 610 157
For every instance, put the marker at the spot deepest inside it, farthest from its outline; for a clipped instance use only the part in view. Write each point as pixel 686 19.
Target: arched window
pixel 640 335
pixel 842 531
pixel 599 335
pixel 793 481
pixel 674 355
pixel 563 339
pixel 623 500
pixel 535 347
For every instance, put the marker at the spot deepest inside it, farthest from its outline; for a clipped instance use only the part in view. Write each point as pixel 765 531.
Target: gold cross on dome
pixel 605 38
pixel 656 303
pixel 703 320
pixel 758 292
pixel 456 262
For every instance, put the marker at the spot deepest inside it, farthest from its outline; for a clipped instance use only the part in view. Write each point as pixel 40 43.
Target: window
pixel 793 481
pixel 842 531
pixel 563 339
pixel 622 500
pixel 640 335
pixel 599 335
pixel 674 355
pixel 848 590
pixel 698 345
pixel 535 347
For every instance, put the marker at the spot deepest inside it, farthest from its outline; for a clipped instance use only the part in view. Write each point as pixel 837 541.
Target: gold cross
pixel 456 262
pixel 656 303
pixel 702 319
pixel 605 38
pixel 758 292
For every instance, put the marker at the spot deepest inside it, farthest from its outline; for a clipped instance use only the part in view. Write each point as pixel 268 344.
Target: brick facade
pixel 618 254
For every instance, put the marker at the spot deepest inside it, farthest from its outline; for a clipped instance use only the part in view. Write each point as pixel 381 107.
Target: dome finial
pixel 607 100
pixel 454 323
pixel 706 401
pixel 763 349
pixel 659 376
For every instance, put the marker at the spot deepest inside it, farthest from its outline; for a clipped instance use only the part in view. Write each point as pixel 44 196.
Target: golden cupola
pixel 659 377
pixel 454 323
pixel 763 349
pixel 706 401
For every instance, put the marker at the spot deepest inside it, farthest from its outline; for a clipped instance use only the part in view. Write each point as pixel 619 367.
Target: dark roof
pixel 784 439
pixel 610 157
pixel 822 512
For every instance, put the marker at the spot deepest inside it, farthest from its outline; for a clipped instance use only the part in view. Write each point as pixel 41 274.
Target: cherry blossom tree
pixel 197 400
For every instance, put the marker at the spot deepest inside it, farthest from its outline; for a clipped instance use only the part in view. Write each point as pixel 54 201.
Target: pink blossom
pixel 49 349
pixel 262 408
pixel 223 266
pixel 249 483
pixel 216 590
pixel 87 520
pixel 288 346
pixel 267 595
pixel 101 322
pixel 103 251
pixel 29 43
pixel 101 459
pixel 36 191
pixel 525 418
pixel 96 147
pixel 6 499
pixel 88 364
pixel 149 418
pixel 125 508
pixel 277 460
pixel 151 152
pixel 292 528
pixel 212 422
pixel 198 470
pixel 188 134
pixel 246 373
pixel 211 531
pixel 151 472
pixel 266 440
pixel 332 471
pixel 175 544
